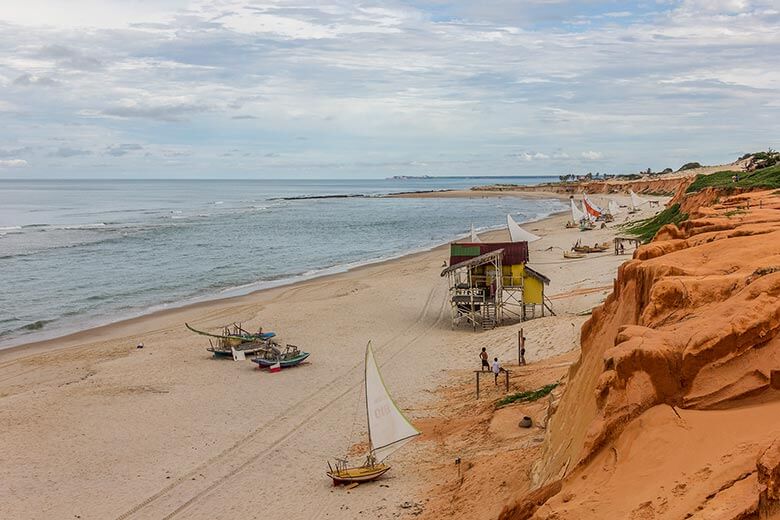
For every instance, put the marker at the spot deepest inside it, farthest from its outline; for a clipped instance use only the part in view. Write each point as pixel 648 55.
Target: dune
pixel 671 410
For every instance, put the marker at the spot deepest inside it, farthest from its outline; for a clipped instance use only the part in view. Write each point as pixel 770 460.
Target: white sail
pixel 591 203
pixel 474 238
pixel 576 213
pixel 518 234
pixel 388 428
pixel 636 200
pixel 614 209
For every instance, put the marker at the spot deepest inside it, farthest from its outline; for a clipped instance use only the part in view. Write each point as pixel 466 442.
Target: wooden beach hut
pixel 490 283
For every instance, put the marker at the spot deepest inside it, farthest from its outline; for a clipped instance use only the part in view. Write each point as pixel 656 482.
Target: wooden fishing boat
pixel 235 337
pixel 573 254
pixel 289 357
pixel 596 248
pixel 388 430
pixel 249 348
pixel 344 475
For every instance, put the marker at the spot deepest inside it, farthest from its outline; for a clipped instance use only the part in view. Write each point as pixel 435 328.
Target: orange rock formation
pixel 673 410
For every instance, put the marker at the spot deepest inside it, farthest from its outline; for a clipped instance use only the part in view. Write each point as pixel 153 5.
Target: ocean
pixel 81 253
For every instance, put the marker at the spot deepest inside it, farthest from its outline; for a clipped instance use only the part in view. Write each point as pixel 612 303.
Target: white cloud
pixel 592 156
pixel 343 83
pixel 13 163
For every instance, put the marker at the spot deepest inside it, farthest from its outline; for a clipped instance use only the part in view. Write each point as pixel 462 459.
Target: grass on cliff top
pixel 526 397
pixel 766 178
pixel 646 229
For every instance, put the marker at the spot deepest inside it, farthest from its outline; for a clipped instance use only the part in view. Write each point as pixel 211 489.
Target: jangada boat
pixel 273 354
pixel 234 337
pixel 388 430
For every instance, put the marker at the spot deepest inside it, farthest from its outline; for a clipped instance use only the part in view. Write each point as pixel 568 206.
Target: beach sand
pixel 94 428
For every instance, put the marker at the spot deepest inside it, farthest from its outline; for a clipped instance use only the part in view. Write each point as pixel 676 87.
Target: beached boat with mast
pixel 388 430
pixel 234 337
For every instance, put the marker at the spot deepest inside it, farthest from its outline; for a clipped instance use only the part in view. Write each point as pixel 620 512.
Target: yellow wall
pixel 533 289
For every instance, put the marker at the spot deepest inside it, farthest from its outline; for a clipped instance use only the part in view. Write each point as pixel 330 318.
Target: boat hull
pixel 247 350
pixel 297 360
pixel 358 474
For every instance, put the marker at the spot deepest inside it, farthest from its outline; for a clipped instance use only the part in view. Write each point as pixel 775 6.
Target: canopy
pixel 636 200
pixel 474 238
pixel 518 234
pixel 388 427
pixel 576 213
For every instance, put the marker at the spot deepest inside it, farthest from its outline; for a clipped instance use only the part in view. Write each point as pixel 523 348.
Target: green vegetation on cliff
pixel 766 178
pixel 528 396
pixel 646 229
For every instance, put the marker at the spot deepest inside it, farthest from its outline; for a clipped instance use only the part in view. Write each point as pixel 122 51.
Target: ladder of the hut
pixel 489 316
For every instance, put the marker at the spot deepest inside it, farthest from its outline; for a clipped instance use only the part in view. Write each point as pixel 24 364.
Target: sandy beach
pixel 97 429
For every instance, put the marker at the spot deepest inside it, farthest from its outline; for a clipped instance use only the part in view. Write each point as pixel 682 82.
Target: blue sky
pixel 235 88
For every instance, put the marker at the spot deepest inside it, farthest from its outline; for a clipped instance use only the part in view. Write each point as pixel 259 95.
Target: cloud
pixel 71 58
pixel 532 156
pixel 28 80
pixel 369 87
pixel 592 156
pixel 14 152
pixel 66 152
pixel 13 163
pixel 118 150
pixel 164 111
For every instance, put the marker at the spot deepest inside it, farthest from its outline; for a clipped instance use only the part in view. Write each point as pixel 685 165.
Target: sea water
pixel 78 253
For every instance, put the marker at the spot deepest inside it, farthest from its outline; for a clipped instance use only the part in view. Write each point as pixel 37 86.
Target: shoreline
pixel 167 430
pixel 46 344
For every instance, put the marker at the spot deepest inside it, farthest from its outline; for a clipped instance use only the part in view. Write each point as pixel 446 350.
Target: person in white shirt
pixel 496 369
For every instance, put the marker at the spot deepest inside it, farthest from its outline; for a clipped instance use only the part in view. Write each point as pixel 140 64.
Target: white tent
pixel 576 213
pixel 474 238
pixel 614 209
pixel 636 200
pixel 517 233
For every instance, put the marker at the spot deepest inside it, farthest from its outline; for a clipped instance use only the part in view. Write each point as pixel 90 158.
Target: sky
pixel 342 89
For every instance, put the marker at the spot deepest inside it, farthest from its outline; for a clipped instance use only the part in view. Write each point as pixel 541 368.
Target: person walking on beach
pixel 484 357
pixel 496 370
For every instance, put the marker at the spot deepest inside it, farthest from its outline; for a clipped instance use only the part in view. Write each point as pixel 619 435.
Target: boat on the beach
pixel 234 337
pixel 388 430
pixel 573 254
pixel 273 354
pixel 596 248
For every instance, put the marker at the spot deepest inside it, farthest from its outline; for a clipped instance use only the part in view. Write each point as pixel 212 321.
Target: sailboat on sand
pixel 388 430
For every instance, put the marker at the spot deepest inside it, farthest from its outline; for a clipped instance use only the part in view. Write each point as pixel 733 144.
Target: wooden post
pixel 477 373
pixel 520 348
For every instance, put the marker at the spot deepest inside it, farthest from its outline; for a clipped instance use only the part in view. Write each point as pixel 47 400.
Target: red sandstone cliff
pixel 673 410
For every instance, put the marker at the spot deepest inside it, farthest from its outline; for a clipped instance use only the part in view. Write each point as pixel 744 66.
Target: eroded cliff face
pixel 689 337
